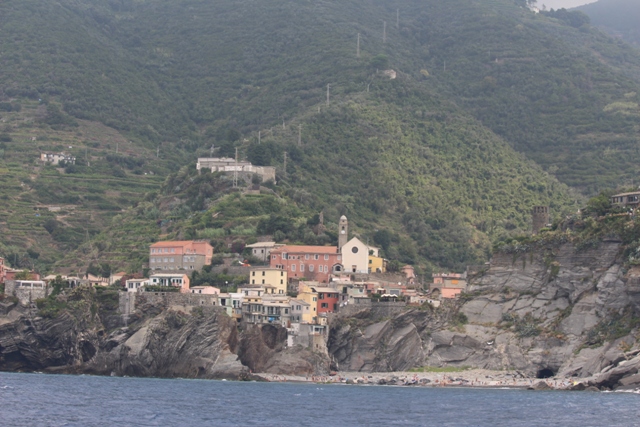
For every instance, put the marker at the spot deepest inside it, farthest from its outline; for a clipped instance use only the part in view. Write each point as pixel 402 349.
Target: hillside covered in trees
pixel 618 17
pixel 494 109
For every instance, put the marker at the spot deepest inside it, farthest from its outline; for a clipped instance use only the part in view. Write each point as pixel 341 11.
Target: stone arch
pixel 337 268
pixel 435 293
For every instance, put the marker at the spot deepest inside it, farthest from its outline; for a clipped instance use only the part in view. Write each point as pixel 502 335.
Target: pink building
pixel 448 285
pixel 309 262
pixel 180 255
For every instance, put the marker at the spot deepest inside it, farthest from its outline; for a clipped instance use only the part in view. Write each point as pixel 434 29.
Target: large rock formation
pixel 88 336
pixel 552 310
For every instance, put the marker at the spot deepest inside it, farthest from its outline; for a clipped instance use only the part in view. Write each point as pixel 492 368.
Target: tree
pixel 23 275
pixel 379 62
pixel 57 285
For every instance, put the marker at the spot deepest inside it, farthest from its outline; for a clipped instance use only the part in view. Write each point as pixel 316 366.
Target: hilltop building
pixel 262 250
pixel 539 218
pixel 57 158
pixel 180 255
pixel 626 199
pixel 228 165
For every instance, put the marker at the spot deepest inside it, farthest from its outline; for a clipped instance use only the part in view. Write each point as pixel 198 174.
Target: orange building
pixel 180 255
pixel 309 262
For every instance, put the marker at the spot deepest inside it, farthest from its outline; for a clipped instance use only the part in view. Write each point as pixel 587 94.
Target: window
pixel 324 305
pixel 253 273
pixel 293 267
pixel 281 273
pixel 301 267
pixel 321 296
pixel 284 255
pixel 263 273
pixel 172 260
pixel 253 282
pixel 153 260
pixel 306 256
pixel 286 311
pixel 311 268
pixel 370 261
pixel 339 257
pixel 326 257
pixel 263 281
pixel 315 299
pixel 326 268
pixel 273 257
pixel 281 282
pixel 354 249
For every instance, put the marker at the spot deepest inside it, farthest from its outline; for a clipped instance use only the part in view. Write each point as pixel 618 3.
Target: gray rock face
pixel 536 312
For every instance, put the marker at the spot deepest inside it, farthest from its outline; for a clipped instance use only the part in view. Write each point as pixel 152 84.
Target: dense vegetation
pixel 618 17
pixel 426 165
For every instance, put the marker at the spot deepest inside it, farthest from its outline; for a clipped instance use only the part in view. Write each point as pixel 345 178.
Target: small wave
pixel 4 387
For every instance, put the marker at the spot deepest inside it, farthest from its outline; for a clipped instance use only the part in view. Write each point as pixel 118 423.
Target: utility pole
pixel 212 148
pixel 299 135
pixel 384 31
pixel 259 136
pixel 285 164
pixel 358 47
pixel 235 171
pixel 328 89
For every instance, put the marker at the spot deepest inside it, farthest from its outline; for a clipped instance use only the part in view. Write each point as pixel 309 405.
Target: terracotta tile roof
pixel 293 249
pixel 170 243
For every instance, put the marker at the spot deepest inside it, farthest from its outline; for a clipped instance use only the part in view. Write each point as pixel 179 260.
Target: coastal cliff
pixel 551 310
pixel 556 309
pixel 86 335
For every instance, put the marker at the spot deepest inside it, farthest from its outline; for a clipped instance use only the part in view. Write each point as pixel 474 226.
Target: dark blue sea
pixel 60 400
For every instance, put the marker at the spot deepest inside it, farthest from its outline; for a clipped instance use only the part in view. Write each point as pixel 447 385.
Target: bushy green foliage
pixel 424 167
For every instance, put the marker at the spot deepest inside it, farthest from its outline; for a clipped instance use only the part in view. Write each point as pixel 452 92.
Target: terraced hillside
pixel 494 109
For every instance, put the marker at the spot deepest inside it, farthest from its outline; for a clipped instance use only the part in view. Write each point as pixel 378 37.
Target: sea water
pixel 62 400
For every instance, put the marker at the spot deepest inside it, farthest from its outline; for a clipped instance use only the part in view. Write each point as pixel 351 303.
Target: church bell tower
pixel 343 231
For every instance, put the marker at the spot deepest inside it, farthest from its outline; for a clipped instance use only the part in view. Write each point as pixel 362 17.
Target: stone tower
pixel 539 218
pixel 343 231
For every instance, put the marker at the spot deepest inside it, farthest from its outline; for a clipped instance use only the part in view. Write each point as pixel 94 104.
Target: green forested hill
pixel 618 17
pixel 443 158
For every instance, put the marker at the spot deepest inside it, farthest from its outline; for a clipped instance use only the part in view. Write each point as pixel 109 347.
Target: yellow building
pixel 267 276
pixel 377 264
pixel 310 297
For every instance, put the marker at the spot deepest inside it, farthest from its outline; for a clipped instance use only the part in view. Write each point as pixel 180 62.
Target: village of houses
pixel 298 287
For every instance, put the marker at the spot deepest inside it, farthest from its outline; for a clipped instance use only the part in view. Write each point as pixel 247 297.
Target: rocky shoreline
pixel 476 378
